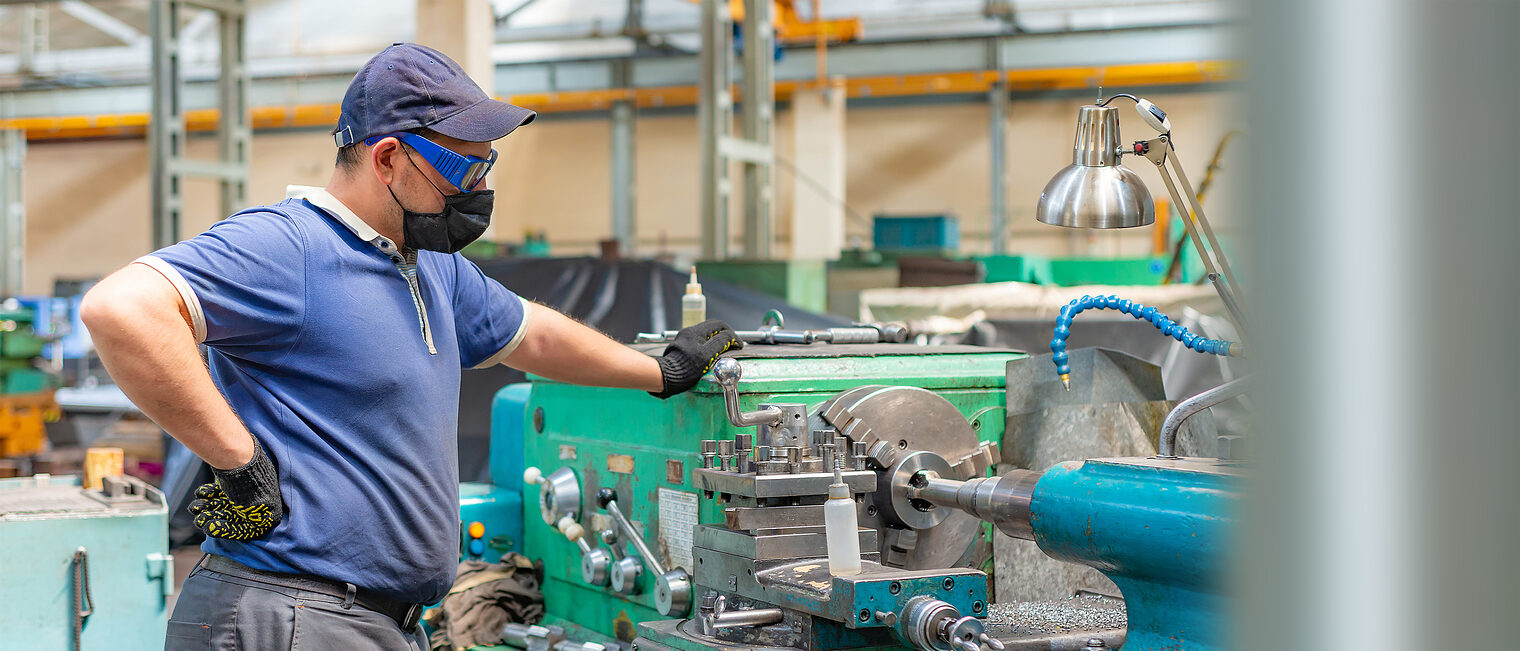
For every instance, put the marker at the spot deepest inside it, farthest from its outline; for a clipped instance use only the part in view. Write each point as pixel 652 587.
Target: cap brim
pixel 486 121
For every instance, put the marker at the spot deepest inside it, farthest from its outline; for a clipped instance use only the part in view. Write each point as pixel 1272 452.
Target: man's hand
pixel 243 503
pixel 692 354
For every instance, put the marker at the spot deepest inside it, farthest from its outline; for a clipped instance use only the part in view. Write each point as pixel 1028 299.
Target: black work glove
pixel 243 503
pixel 692 354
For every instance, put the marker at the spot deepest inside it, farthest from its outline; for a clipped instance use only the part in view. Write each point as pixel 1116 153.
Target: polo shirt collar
pixel 321 198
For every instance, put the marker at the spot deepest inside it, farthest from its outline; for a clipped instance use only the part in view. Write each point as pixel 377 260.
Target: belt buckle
pixel 413 617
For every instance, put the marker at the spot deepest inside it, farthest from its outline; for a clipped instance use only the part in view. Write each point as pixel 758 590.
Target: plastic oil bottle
pixel 841 530
pixel 693 304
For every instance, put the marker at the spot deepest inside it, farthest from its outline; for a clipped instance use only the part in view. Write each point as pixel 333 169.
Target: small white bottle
pixel 693 304
pixel 841 529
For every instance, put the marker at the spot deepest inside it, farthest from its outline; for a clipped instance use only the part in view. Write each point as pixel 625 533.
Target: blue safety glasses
pixel 465 172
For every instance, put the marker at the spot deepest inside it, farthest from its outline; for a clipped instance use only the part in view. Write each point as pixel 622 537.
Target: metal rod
pixel 1230 301
pixel 1192 197
pixel 747 618
pixel 1198 241
pixel 634 537
pixel 1003 501
pixel 1167 448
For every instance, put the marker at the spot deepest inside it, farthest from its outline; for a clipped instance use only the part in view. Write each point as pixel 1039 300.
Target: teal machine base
pixel 44 522
pixel 497 506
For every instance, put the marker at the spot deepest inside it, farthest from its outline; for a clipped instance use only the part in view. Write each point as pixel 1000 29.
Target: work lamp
pixel 1096 191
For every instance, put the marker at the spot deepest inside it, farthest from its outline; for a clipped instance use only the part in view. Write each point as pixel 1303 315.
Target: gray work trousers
pixel 226 613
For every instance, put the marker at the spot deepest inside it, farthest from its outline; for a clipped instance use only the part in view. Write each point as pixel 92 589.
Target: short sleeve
pixel 244 281
pixel 490 321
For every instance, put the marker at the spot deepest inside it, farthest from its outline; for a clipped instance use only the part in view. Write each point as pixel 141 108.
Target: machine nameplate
pixel 620 463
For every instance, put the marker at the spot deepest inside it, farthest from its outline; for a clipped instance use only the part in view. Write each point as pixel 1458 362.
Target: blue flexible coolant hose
pixel 1161 321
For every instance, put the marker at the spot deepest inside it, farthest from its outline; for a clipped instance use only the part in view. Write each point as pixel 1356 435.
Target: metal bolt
pixel 1096 643
pixel 887 618
pixel 865 615
pixel 726 454
pixel 826 451
pixel 976 606
pixel 949 583
pixel 762 453
pixel 709 452
pixel 895 587
pixel 744 441
pixel 818 437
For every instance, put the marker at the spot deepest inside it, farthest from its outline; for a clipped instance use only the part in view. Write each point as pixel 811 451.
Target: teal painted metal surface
pixel 640 446
pixel 498 505
pixel 509 409
pixel 499 511
pixel 1159 529
pixel 130 570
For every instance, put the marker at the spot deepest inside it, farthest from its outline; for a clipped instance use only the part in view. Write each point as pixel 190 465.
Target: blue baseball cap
pixel 408 86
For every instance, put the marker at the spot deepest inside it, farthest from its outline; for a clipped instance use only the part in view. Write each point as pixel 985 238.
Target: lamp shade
pixel 1095 191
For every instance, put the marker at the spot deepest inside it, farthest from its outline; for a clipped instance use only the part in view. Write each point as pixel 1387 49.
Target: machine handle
pixel 607 499
pixel 161 567
pixel 727 372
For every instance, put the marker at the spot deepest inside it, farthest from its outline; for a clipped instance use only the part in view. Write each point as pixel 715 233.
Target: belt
pixel 407 615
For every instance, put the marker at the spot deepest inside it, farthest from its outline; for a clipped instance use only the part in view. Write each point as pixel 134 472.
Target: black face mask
pixel 464 218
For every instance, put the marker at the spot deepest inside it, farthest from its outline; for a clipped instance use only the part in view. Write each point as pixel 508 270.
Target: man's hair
pixel 350 157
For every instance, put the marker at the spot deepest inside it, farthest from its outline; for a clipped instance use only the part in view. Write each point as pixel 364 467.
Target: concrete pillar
pixel 818 181
pixel 12 211
pixel 759 117
pixel 997 126
pixel 714 113
pixel 623 188
pixel 465 30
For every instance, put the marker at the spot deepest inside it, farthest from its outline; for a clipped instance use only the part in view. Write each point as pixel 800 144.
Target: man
pixel 336 324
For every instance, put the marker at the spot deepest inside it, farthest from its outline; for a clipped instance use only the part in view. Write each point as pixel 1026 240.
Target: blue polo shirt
pixel 342 355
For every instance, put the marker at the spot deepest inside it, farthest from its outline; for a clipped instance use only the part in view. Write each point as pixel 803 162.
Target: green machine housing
pixel 645 450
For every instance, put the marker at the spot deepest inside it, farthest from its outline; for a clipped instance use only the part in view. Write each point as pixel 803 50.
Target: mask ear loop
pixel 419 171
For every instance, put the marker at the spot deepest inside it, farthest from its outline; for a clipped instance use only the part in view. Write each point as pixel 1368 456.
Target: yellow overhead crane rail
pixel 123 125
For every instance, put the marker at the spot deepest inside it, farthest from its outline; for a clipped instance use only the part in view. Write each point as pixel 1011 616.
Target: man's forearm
pixel 137 322
pixel 560 348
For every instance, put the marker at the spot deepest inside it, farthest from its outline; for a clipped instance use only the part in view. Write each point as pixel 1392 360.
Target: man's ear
pixel 383 159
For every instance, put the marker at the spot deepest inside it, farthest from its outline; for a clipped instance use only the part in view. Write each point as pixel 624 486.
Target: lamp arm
pixel 1159 151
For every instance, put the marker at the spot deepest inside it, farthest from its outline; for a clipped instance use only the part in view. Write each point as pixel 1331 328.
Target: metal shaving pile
pixel 1079 613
